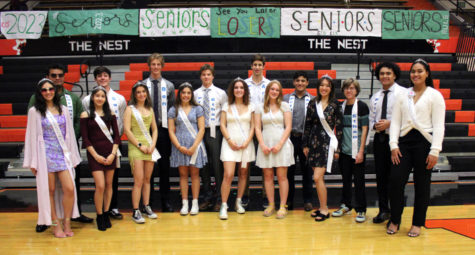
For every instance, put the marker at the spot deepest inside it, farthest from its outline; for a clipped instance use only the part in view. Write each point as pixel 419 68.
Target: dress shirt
pixel 218 94
pixel 430 116
pixel 298 111
pixel 376 104
pixel 255 90
pixel 170 96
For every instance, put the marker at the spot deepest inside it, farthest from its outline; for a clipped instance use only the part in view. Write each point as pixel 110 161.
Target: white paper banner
pixel 175 22
pixel 330 22
pixel 23 24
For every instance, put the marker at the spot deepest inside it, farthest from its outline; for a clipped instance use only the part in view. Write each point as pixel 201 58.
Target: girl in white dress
pixel 237 126
pixel 275 148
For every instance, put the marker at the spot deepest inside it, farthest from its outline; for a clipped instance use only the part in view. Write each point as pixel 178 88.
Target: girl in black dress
pixel 102 147
pixel 320 141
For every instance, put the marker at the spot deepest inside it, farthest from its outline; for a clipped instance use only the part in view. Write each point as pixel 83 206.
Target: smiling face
pixel 207 78
pixel 274 91
pixel 350 92
pixel 103 80
pixel 325 88
pixel 99 98
pixel 156 68
pixel 185 95
pixel 56 76
pixel 419 74
pixel 257 68
pixel 47 91
pixel 387 77
pixel 239 90
pixel 140 94
pixel 300 84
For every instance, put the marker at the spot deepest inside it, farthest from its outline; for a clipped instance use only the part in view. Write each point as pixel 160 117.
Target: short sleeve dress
pixel 185 139
pixel 92 135
pixel 234 126
pixel 134 152
pixel 272 130
pixel 315 137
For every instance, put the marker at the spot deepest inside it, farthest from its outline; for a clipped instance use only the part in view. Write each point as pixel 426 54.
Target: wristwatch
pixel 139 145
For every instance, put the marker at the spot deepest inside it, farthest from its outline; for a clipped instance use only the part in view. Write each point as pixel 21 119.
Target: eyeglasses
pixel 56 75
pixel 44 90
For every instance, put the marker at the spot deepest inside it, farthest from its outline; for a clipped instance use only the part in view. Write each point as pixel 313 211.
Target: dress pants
pixel 163 165
pixel 414 149
pixel 353 172
pixel 382 161
pixel 214 165
pixel 306 171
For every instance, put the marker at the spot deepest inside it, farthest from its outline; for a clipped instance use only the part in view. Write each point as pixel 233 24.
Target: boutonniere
pixel 411 93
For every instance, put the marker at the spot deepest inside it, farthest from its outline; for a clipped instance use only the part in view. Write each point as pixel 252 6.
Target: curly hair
pixel 40 102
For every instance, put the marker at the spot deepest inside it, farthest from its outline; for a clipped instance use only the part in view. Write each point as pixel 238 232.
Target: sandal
pixel 70 232
pixel 411 233
pixel 390 231
pixel 282 212
pixel 314 213
pixel 269 210
pixel 58 233
pixel 321 217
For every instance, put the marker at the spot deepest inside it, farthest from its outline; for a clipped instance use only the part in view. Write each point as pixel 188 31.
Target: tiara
pixel 421 60
pixel 185 84
pixel 139 83
pixel 327 77
pixel 96 88
pixel 45 80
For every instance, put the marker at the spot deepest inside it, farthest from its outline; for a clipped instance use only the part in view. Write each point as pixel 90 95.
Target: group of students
pixel 210 130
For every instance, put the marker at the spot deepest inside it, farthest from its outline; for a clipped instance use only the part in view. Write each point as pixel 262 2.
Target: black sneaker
pixel 115 214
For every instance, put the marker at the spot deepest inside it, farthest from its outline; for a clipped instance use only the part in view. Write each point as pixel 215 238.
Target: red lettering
pixel 236 27
pixel 261 23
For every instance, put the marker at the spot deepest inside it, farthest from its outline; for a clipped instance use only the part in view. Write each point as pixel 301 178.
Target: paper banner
pixel 175 22
pixel 259 22
pixel 419 24
pixel 114 21
pixel 331 22
pixel 23 24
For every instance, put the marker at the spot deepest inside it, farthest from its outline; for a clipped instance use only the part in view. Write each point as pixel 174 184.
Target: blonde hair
pixel 266 97
pixel 156 56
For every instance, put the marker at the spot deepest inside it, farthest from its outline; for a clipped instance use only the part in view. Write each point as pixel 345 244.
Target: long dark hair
pixel 133 100
pixel 429 81
pixel 40 102
pixel 230 92
pixel 178 98
pixel 332 86
pixel 105 107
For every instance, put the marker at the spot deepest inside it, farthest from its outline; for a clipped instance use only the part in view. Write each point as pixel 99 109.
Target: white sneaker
pixel 148 211
pixel 195 208
pixel 343 210
pixel 360 217
pixel 184 207
pixel 223 212
pixel 137 217
pixel 239 208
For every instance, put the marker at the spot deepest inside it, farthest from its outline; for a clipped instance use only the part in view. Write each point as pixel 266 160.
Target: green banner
pixel 258 22
pixel 418 24
pixel 115 21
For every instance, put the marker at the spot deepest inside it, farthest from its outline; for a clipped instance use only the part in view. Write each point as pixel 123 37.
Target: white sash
pixel 193 134
pixel 354 127
pixel 59 136
pixel 212 110
pixel 69 104
pixel 292 101
pixel 245 152
pixel 333 140
pixel 108 134
pixel 412 114
pixel 138 117
pixel 163 93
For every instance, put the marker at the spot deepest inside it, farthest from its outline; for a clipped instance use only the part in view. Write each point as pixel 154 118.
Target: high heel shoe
pixel 58 233
pixel 269 210
pixel 389 231
pixel 413 233
pixel 282 212
pixel 67 222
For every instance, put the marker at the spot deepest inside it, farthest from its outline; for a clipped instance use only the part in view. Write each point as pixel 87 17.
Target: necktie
pixel 206 106
pixel 155 100
pixel 384 110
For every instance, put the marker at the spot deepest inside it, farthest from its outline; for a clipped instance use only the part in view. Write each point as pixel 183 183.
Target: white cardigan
pixel 429 115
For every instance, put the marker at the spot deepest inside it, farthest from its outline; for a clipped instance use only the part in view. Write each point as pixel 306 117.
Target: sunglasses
pixel 57 75
pixel 44 90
